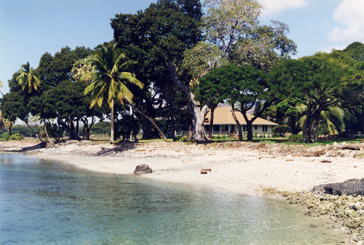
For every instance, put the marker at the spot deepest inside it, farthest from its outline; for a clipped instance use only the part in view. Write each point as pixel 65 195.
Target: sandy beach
pixel 239 167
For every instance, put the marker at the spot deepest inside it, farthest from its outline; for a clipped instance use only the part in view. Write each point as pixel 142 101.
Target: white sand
pixel 241 170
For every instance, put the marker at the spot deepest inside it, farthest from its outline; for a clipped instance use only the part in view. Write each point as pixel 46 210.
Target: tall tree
pixel 242 87
pixel 110 80
pixel 353 95
pixel 27 79
pixel 232 35
pixel 318 81
pixel 155 37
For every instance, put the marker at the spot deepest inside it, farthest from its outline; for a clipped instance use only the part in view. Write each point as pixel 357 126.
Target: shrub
pixel 16 136
pixel 183 139
pixel 281 129
pixel 5 136
pixel 295 137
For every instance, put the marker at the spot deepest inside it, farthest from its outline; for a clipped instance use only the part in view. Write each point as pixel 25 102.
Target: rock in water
pixel 142 169
pixel 349 187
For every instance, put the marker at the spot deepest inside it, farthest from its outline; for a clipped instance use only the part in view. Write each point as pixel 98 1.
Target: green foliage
pixel 281 129
pixel 183 139
pixel 57 68
pixel 159 34
pixel 356 51
pixel 24 130
pixel 295 137
pixel 318 81
pixel 27 78
pixel 14 105
pixel 101 128
pixel 109 78
pixel 5 136
pixel 17 136
pixel 52 130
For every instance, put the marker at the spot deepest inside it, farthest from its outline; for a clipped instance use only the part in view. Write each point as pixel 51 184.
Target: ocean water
pixel 43 202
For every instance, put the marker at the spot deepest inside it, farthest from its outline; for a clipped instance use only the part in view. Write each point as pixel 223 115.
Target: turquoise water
pixel 43 202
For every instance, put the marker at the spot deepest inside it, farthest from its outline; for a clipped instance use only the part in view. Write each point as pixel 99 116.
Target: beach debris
pixel 142 169
pixel 352 147
pixel 205 170
pixel 325 161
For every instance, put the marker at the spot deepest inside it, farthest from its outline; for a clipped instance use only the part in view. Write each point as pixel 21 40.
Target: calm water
pixel 48 203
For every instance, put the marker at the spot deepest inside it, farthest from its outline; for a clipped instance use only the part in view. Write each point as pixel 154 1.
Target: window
pixel 207 128
pixel 232 128
pixel 256 127
pixel 226 128
pixel 265 128
pixel 216 127
pixel 244 128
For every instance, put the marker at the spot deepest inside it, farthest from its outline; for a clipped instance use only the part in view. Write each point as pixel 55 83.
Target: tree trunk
pixel 150 120
pixel 86 128
pixel 148 131
pixel 362 119
pixel 198 114
pixel 172 123
pixel 309 131
pixel 237 122
pixel 46 132
pixel 314 130
pixel 198 117
pixel 77 128
pixel 73 133
pixel 212 120
pixel 112 121
pixel 34 132
pixel 249 127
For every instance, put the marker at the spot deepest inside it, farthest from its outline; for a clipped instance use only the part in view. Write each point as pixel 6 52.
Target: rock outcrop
pixel 350 187
pixel 142 169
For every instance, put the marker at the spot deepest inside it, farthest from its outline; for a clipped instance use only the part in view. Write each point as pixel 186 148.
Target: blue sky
pixel 29 28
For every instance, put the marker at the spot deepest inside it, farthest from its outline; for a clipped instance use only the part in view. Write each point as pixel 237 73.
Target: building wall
pixel 225 129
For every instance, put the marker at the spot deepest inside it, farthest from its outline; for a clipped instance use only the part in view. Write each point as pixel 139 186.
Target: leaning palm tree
pixel 108 80
pixel 27 78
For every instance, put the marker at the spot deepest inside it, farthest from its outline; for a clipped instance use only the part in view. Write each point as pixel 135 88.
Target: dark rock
pixel 350 187
pixel 142 169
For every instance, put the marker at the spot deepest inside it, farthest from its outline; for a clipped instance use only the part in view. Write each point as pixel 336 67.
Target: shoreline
pixel 254 169
pixel 239 167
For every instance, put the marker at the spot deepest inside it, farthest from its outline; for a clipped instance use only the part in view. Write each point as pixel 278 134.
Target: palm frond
pixel 126 93
pixel 132 79
pixel 301 109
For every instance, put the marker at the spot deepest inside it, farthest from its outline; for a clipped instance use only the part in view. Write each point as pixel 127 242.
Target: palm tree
pixel 108 80
pixel 331 118
pixel 27 78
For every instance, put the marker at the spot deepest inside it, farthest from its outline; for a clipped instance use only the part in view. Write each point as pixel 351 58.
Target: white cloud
pixel 272 7
pixel 349 15
pixel 331 48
